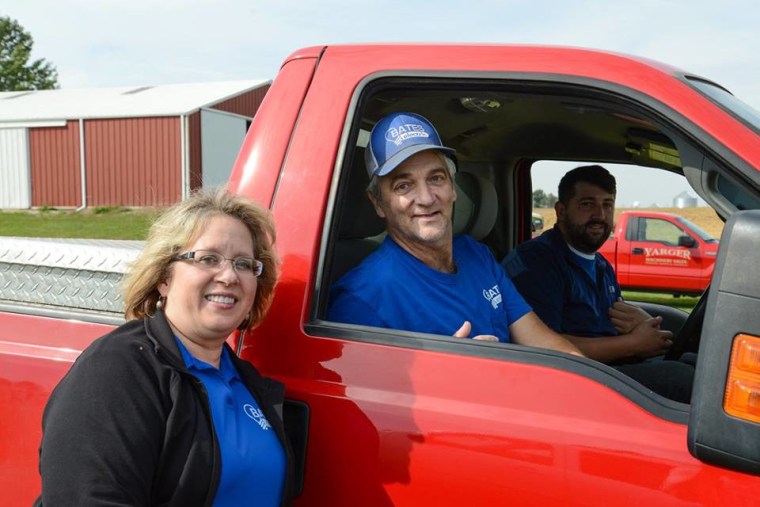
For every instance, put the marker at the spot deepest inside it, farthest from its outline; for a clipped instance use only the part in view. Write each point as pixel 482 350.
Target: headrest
pixel 358 218
pixel 476 206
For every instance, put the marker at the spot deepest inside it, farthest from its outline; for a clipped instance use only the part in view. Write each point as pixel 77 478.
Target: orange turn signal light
pixel 742 397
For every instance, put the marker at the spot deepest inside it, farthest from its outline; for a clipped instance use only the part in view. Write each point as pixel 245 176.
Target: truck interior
pixel 500 128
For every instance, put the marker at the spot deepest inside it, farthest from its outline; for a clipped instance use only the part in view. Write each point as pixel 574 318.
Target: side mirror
pixel 724 429
pixel 687 241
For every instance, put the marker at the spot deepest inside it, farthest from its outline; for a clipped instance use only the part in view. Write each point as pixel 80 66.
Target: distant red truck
pixel 662 252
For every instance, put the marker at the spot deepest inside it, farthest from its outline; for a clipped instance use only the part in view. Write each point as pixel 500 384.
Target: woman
pixel 160 411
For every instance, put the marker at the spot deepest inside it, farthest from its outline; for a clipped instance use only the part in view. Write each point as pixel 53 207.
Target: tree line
pixel 543 200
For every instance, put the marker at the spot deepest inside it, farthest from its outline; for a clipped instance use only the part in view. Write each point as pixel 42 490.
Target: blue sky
pixel 145 42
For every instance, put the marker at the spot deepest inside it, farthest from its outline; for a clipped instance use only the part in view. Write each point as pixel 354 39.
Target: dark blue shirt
pixel 253 460
pixel 553 281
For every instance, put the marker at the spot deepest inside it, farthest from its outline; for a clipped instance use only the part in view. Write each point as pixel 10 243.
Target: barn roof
pixel 118 102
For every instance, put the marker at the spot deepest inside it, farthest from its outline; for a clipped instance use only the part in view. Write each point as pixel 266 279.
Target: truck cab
pixel 511 422
pixel 664 252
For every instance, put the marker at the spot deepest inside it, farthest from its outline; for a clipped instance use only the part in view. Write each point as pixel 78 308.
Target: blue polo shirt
pixel 253 460
pixel 393 289
pixel 572 295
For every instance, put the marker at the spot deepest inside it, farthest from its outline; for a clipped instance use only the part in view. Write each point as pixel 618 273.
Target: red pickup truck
pixel 662 252
pixel 384 417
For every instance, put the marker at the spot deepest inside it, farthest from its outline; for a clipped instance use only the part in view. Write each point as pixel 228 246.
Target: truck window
pixel 639 187
pixel 505 132
pixel 660 231
pixel 706 236
pixel 728 101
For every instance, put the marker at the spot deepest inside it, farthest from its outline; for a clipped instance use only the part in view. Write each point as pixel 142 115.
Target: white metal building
pixel 128 146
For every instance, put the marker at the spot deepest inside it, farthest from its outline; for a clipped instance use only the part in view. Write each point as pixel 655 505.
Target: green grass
pixel 96 223
pixel 685 303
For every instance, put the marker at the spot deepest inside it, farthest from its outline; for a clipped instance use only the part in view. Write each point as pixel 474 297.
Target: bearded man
pixel 574 290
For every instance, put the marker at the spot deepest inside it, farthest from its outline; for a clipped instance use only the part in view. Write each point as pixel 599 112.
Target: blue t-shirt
pixel 393 289
pixel 558 286
pixel 253 459
pixel 587 263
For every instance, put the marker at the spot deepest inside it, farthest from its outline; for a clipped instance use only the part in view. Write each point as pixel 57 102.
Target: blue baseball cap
pixel 397 137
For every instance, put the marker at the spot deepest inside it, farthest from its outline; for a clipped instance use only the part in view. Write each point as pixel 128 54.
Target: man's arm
pixel 645 340
pixel 539 279
pixel 531 331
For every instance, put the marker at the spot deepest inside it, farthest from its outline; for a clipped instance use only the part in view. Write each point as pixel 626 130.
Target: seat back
pixel 476 206
pixel 360 230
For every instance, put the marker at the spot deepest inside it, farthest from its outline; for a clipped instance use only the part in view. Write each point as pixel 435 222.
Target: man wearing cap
pixel 421 278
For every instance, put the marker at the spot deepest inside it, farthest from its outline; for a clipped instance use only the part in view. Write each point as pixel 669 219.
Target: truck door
pixel 662 255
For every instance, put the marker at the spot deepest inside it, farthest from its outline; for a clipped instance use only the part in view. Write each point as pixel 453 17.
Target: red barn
pixel 125 146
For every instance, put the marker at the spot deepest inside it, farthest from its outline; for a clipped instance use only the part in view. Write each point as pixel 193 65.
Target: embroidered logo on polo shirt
pixel 493 295
pixel 257 415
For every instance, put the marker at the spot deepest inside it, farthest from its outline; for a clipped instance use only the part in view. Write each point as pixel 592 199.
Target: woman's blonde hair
pixel 180 225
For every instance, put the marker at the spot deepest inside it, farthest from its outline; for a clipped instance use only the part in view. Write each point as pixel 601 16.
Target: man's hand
pixel 625 317
pixel 466 329
pixel 648 340
pixel 645 340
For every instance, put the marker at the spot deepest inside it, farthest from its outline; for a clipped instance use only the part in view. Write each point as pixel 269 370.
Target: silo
pixel 684 200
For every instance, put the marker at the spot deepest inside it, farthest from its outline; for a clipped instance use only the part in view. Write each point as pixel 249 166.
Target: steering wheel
pixel 687 339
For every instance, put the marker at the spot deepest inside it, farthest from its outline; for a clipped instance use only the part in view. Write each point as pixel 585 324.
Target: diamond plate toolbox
pixel 70 273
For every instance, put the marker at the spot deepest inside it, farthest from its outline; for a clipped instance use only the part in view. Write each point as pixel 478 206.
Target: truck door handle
pixel 637 251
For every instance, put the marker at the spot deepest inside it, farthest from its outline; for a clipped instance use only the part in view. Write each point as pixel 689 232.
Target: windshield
pixel 699 232
pixel 745 112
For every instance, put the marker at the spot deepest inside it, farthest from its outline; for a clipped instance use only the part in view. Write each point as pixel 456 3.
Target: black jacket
pixel 128 425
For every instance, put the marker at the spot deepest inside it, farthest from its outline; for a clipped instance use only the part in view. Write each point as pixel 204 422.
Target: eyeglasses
pixel 213 261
